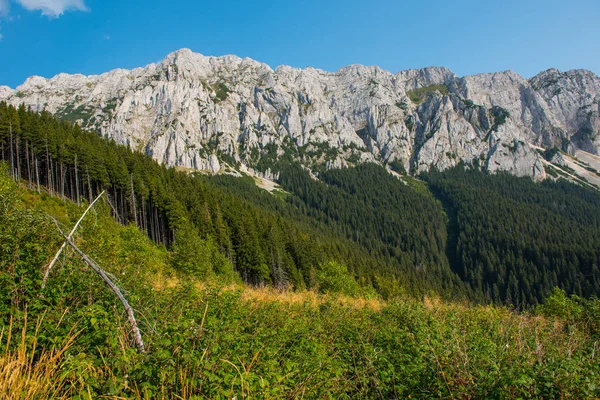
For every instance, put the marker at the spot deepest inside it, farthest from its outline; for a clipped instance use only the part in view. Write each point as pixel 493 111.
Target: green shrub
pixel 559 305
pixel 334 278
pixel 573 309
pixel 198 257
pixel 418 96
pixel 397 166
pixel 221 92
pixel 500 115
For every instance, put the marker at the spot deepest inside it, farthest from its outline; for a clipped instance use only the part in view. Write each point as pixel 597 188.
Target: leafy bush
pixel 559 305
pixel 397 166
pixel 573 309
pixel 500 115
pixel 550 153
pixel 334 278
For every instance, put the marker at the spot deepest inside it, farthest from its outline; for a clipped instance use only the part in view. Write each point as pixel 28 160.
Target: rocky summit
pixel 226 113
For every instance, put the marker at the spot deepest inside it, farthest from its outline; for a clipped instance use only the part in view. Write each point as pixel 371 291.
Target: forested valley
pixel 460 233
pixel 358 284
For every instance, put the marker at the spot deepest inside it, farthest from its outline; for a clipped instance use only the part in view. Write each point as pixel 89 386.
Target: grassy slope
pixel 214 339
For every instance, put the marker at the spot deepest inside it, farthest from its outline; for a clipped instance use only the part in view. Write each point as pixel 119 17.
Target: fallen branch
pixel 47 273
pixel 137 335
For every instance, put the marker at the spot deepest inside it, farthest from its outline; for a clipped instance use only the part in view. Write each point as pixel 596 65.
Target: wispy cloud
pixel 53 8
pixel 106 37
pixel 49 8
pixel 1 37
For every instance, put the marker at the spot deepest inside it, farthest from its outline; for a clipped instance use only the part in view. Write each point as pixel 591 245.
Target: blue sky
pixel 46 37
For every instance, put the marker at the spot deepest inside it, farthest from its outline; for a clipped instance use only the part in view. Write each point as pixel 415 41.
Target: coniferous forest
pixel 358 284
pixel 461 233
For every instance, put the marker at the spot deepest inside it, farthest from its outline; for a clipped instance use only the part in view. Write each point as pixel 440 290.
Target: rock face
pixel 208 113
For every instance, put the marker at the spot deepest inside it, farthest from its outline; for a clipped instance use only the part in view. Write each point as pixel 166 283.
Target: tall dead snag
pixel 49 268
pixel 137 335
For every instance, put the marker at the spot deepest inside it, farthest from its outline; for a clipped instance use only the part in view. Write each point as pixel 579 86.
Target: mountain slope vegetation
pixel 215 338
pixel 513 240
pixel 460 233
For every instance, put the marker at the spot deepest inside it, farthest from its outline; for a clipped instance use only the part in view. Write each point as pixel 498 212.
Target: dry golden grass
pixel 26 373
pixel 272 295
pixel 268 294
pixel 163 281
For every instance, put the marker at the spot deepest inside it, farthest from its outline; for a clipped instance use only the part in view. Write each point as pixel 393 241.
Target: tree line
pixel 461 233
pixel 206 227
pixel 513 240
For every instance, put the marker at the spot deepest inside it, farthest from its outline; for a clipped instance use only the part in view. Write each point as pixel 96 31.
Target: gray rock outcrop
pixel 207 112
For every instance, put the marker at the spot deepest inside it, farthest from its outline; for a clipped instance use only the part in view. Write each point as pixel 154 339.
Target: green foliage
pixel 550 170
pixel 514 240
pixel 221 92
pixel 499 114
pixel 24 237
pixel 81 113
pixel 201 258
pixel 333 277
pixel 269 159
pixel 574 310
pixel 550 153
pixel 403 105
pixel 318 151
pixel 397 166
pixel 419 95
pixel 558 304
pixel 205 340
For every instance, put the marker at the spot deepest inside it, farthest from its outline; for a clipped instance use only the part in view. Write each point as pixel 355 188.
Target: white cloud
pixel 50 8
pixel 106 37
pixel 1 37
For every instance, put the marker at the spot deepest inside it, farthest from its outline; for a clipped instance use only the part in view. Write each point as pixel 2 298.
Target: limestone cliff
pixel 208 113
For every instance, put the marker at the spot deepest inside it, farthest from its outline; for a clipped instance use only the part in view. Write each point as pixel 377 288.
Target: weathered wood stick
pixel 137 335
pixel 49 268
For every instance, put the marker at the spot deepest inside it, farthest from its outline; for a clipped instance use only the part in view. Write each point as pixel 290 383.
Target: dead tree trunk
pixel 47 273
pixel 137 335
pixel 37 174
pixel 77 182
pixel 12 155
pixel 133 205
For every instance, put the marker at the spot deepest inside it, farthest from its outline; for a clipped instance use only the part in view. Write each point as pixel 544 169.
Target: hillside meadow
pixel 217 338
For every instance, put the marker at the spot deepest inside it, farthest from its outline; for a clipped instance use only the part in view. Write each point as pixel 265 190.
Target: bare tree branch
pixel 137 335
pixel 49 268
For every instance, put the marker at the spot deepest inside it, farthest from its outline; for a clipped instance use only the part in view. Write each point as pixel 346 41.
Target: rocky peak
pixel 418 78
pixel 5 92
pixel 573 97
pixel 214 113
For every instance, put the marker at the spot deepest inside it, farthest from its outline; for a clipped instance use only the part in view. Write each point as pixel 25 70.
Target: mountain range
pixel 365 282
pixel 221 114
